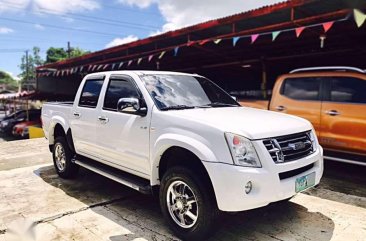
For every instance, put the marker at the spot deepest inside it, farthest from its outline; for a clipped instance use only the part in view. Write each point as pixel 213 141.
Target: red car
pixel 22 129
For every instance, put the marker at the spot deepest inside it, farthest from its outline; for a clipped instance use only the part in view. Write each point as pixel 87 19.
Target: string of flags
pixel 359 18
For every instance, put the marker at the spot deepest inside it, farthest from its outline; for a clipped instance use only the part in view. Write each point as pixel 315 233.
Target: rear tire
pixel 62 159
pixel 187 204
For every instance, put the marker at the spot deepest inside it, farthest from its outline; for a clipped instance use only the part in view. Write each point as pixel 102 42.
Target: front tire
pixel 62 159
pixel 187 204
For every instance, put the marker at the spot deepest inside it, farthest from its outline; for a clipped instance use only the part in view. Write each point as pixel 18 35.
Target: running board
pixel 140 184
pixel 345 160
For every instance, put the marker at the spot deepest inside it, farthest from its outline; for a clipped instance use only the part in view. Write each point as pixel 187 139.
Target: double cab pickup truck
pixel 333 99
pixel 187 140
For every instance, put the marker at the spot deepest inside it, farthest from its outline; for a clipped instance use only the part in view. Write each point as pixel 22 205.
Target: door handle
pixel 103 119
pixel 280 108
pixel 77 114
pixel 332 112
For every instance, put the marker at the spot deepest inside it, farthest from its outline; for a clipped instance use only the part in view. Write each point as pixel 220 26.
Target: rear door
pixel 343 114
pixel 123 139
pixel 84 116
pixel 299 96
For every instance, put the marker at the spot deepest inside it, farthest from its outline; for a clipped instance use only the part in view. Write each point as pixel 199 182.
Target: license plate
pixel 305 182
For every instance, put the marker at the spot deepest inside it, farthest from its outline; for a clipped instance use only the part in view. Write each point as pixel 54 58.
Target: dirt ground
pixel 36 204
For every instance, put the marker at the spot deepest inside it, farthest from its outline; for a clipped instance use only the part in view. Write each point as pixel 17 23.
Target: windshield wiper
pixel 218 104
pixel 177 107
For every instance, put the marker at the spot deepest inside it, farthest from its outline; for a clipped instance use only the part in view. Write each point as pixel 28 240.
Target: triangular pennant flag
pixel 327 26
pixel 99 67
pixel 254 37
pixel 275 35
pixel 113 65
pixel 235 40
pixel 360 17
pixel 176 51
pixel 129 62
pixel 139 61
pixel 204 42
pixel 81 69
pixel 94 67
pixel 105 66
pixel 162 54
pixel 150 57
pixel 120 65
pixel 217 41
pixel 89 68
pixel 299 30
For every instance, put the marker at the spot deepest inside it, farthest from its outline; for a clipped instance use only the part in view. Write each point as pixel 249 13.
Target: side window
pixel 348 89
pixel 302 88
pixel 90 94
pixel 119 88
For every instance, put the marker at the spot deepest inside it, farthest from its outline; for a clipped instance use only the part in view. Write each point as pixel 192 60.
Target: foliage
pixel 5 78
pixel 34 60
pixel 58 54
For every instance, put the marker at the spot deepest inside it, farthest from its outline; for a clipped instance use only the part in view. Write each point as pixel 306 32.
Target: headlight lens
pixel 314 140
pixel 4 123
pixel 242 151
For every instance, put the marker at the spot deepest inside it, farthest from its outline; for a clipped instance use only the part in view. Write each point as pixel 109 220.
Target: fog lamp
pixel 248 187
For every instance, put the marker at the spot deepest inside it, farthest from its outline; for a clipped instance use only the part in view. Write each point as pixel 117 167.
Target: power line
pixel 94 19
pixel 58 27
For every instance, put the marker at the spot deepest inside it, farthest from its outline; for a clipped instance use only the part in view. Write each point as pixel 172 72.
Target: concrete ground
pixel 34 202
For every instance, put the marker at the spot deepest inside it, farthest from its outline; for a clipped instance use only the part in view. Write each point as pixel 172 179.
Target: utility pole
pixel 26 67
pixel 68 49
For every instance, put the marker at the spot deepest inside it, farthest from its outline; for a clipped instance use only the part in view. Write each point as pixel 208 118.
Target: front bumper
pixel 229 182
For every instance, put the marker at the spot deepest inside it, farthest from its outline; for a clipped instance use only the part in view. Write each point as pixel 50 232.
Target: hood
pixel 248 122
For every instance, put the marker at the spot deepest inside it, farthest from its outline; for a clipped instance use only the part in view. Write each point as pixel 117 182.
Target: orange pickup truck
pixel 333 99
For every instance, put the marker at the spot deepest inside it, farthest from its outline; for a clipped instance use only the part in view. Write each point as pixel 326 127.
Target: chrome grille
pixel 290 147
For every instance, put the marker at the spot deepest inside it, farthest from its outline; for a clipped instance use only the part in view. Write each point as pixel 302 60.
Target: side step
pixel 140 184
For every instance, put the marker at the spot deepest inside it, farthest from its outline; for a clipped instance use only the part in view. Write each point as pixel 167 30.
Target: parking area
pixel 91 207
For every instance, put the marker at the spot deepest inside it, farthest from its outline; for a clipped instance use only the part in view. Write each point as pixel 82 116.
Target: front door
pixel 123 139
pixel 343 114
pixel 299 96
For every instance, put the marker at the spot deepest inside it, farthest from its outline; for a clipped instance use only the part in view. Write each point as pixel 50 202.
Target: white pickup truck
pixel 182 136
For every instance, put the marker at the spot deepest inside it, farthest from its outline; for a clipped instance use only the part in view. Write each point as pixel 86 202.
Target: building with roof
pixel 243 53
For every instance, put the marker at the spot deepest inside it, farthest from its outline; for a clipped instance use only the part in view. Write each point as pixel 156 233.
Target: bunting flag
pixel 94 67
pixel 162 54
pixel 235 40
pixel 217 41
pixel 360 17
pixel 254 37
pixel 327 26
pixel 299 30
pixel 139 61
pixel 113 65
pixel 120 65
pixel 129 62
pixel 105 66
pixel 99 67
pixel 275 35
pixel 90 67
pixel 81 69
pixel 176 51
pixel 203 42
pixel 150 57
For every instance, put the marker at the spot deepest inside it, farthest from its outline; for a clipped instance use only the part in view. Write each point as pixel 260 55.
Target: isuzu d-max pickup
pixel 183 137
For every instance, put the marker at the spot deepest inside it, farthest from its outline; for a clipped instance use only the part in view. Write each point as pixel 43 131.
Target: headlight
pixel 242 151
pixel 4 123
pixel 314 140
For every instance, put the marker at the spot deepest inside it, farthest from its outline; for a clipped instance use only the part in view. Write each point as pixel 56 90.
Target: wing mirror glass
pixel 132 106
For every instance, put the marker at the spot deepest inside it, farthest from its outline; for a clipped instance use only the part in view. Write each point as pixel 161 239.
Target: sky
pixel 98 24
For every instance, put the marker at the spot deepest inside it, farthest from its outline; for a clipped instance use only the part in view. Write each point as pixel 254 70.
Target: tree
pixel 58 54
pixel 9 82
pixel 34 60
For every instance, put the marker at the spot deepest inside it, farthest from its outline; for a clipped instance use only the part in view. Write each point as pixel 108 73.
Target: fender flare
pixel 167 141
pixel 54 121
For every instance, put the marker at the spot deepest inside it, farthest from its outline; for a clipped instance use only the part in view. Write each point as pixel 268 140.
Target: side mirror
pixel 234 97
pixel 131 106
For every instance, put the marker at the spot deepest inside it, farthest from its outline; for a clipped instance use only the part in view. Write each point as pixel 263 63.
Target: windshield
pixel 184 92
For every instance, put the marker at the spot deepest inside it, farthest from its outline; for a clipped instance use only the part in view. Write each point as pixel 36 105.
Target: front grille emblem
pixel 297 146
pixel 278 151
